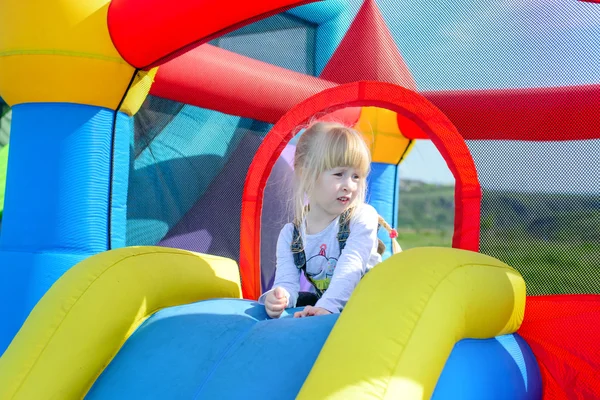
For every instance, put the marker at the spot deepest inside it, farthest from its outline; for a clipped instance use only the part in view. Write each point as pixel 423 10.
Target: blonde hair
pixel 395 245
pixel 324 146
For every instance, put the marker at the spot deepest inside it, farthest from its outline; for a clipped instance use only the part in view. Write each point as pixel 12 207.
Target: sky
pixel 467 44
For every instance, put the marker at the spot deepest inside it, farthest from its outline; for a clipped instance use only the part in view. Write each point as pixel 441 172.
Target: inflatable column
pixel 388 148
pixel 68 166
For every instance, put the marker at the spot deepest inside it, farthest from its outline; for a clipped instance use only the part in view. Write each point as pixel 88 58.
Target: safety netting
pixel 190 163
pixel 540 211
pixel 539 208
pixel 187 175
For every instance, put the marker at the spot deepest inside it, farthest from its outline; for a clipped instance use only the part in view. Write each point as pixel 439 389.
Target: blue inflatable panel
pixel 120 180
pixel 58 199
pixel 58 176
pixel 321 12
pixel 216 349
pixel 229 349
pixel 382 194
pixel 502 368
pixel 333 18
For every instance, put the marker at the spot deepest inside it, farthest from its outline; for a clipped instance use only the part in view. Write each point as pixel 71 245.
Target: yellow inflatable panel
pixel 63 79
pixel 394 336
pixel 89 313
pixel 139 90
pixel 380 130
pixel 60 51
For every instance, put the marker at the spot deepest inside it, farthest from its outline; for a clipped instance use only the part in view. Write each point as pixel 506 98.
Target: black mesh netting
pixel 541 211
pixel 281 40
pixel 189 164
pixel 5 117
pixel 187 177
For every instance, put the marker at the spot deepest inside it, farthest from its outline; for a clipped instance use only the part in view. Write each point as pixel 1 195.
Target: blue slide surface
pixel 215 349
pixel 230 349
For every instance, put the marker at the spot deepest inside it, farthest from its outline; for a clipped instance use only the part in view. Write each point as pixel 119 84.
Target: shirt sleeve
pixel 352 263
pixel 287 275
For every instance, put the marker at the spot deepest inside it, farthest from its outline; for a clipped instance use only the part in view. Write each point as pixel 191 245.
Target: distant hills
pixel 424 206
pixel 553 239
pixel 545 216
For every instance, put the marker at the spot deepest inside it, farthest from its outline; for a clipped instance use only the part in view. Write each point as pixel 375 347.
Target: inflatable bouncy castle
pixel 151 149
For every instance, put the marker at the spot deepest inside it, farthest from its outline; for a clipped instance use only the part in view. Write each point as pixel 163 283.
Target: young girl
pixel 333 239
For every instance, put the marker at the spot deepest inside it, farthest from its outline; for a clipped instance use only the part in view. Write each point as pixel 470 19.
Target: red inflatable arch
pixel 413 108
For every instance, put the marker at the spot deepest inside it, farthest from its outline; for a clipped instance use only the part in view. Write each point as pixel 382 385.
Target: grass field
pixel 552 239
pixel 410 238
pixel 551 267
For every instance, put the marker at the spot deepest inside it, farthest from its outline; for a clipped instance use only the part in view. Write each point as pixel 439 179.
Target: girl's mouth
pixel 344 200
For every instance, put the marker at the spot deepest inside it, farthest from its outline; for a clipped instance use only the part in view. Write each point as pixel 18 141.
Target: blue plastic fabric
pixel 500 368
pixel 320 12
pixel 120 180
pixel 216 349
pixel 228 349
pixel 333 19
pixel 382 194
pixel 57 201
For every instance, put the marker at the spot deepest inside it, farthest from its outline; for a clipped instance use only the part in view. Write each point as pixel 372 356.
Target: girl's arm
pixel 287 275
pixel 353 261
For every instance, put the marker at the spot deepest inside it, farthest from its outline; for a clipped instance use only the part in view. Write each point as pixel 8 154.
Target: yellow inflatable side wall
pixel 394 336
pixel 86 316
pixel 61 51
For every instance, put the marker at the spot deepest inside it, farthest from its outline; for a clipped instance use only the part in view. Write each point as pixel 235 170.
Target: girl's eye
pixel 355 177
pixel 338 174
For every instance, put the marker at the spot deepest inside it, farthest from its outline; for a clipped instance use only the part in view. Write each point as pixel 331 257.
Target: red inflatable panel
pixel 348 116
pixel 368 52
pixel 564 333
pixel 536 114
pixel 217 79
pixel 148 32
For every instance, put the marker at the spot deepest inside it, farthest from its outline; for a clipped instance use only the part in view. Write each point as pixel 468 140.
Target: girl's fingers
pixel 304 313
pixel 273 314
pixel 279 292
pixel 275 302
pixel 275 307
pixel 310 311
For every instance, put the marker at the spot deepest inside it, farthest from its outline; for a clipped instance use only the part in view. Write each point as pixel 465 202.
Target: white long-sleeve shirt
pixel 323 259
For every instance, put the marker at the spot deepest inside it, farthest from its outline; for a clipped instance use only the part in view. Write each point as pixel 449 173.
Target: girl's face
pixel 335 191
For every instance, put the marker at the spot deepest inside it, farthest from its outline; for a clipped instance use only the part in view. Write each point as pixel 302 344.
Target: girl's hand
pixel 275 302
pixel 310 311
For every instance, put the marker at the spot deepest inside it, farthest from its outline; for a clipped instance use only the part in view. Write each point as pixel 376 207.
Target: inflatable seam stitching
pixel 44 52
